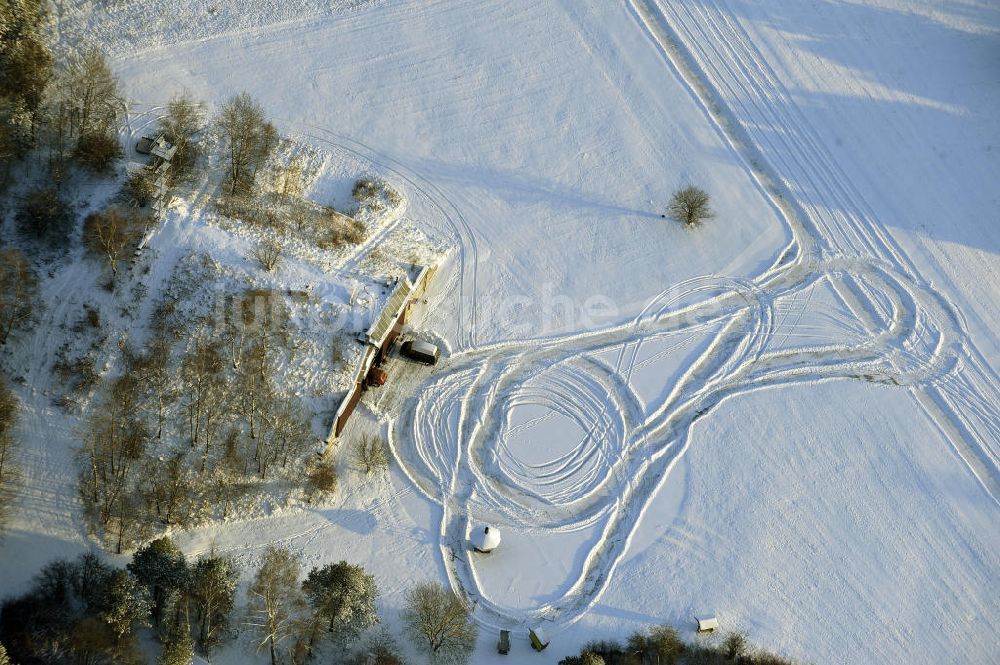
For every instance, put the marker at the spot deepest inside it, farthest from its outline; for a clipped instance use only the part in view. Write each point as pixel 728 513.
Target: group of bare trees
pixel 288 620
pixel 80 117
pixel 180 433
pixel 111 460
pixel 66 110
pixel 18 292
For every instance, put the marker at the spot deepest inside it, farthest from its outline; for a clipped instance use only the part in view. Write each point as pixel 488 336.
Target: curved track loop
pixel 452 438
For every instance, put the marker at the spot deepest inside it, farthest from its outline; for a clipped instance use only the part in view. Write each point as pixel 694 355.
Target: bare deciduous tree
pixel 440 622
pixel 184 120
pixel 274 600
pixel 18 292
pixel 152 370
pixel 322 477
pixel 113 235
pixel 690 206
pixel 254 385
pixel 92 90
pixel 284 434
pixel 139 188
pixel 250 138
pixel 268 253
pixel 166 486
pixel 44 215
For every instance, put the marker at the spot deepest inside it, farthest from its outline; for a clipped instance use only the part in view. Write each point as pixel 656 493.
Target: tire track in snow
pixel 734 363
pixel 718 52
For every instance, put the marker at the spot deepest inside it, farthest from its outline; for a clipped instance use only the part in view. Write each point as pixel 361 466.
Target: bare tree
pixel 114 444
pixel 250 138
pixel 285 434
pixel 92 91
pixel 268 254
pixel 18 292
pixel 206 392
pixel 9 407
pixel 254 386
pixel 370 453
pixel 184 120
pixel 139 188
pixel 322 477
pixel 57 138
pixel 274 600
pixel 113 235
pixel 690 206
pixel 166 486
pixel 441 622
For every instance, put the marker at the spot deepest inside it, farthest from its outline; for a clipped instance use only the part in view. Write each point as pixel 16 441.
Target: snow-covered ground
pixel 789 416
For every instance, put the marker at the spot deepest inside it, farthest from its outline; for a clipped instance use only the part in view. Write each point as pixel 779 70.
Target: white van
pixel 421 351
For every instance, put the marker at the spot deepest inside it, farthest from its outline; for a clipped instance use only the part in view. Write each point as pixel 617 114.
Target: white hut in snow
pixel 486 540
pixel 707 624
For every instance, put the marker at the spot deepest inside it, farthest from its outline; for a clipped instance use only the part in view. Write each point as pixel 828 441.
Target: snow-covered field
pixel 789 416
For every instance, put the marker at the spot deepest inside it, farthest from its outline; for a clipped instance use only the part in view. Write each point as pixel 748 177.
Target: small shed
pixel 707 624
pixel 162 149
pixel 539 640
pixel 503 646
pixel 486 540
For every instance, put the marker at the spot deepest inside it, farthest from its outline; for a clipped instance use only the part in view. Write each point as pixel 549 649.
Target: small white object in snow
pixel 486 540
pixel 707 624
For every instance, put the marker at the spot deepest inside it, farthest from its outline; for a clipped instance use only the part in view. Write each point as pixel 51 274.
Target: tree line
pixel 9 472
pixel 87 611
pixel 662 645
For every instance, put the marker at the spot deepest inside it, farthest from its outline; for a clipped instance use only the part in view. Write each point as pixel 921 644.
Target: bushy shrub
pixel 370 454
pixel 735 646
pixel 364 190
pixel 138 188
pixel 98 152
pixel 45 216
pixel 322 477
